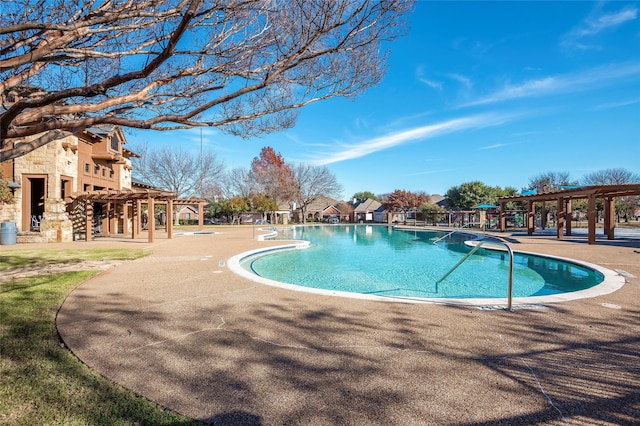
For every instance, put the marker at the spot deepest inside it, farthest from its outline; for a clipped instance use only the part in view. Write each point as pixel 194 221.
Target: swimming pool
pixel 394 263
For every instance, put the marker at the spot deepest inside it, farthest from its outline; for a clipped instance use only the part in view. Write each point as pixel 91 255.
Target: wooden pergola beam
pixel 563 198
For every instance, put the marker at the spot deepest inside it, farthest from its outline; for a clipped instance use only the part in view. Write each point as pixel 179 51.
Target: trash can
pixel 8 233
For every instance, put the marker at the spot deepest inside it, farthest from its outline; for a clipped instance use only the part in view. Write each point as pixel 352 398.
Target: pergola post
pixel 169 218
pixel 530 217
pixel 543 216
pixel 111 217
pixel 200 216
pixel 568 216
pixel 125 219
pixel 591 216
pixel 151 217
pixel 561 217
pixel 610 217
pixel 503 218
pixel 136 219
pixel 88 220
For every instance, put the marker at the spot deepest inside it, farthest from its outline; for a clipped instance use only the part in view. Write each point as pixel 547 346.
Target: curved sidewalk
pixel 180 329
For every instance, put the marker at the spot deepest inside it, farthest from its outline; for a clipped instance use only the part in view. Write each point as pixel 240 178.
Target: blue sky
pixel 492 91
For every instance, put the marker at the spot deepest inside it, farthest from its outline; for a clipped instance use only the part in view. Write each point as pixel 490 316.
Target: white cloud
pixel 420 75
pixel 433 84
pixel 370 146
pixel 553 85
pixel 466 82
pixel 498 145
pixel 595 25
pixel 616 104
pixel 494 146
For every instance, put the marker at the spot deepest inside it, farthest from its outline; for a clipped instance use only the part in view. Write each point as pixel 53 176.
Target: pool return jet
pixel 475 248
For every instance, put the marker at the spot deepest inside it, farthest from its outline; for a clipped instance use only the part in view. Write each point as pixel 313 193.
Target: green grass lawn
pixel 41 382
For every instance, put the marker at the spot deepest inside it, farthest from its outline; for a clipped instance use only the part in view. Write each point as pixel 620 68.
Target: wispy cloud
pixel 612 105
pixel 596 24
pixel 465 81
pixel 498 145
pixel 420 75
pixel 370 146
pixel 494 146
pixel 559 84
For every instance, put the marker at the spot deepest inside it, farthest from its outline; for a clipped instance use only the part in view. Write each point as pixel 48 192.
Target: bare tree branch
pixel 242 66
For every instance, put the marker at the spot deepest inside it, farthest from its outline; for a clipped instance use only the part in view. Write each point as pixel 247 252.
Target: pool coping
pixel 612 281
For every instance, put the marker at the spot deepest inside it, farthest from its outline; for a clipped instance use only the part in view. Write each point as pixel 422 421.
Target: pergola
pixel 563 199
pixel 136 197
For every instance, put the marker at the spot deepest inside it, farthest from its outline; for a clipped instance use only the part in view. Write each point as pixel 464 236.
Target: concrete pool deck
pixel 179 328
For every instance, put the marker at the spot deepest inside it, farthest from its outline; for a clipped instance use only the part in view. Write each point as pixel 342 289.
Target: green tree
pixel 432 212
pixel 6 196
pixel 363 195
pixel 261 203
pixel 470 194
pixel 233 207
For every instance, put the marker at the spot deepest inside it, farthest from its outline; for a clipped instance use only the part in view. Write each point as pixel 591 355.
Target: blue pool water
pixel 388 261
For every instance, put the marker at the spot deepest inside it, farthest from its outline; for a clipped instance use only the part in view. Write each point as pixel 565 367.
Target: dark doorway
pixel 36 200
pixel 97 218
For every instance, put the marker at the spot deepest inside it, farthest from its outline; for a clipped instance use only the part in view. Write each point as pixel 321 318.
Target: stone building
pixel 43 180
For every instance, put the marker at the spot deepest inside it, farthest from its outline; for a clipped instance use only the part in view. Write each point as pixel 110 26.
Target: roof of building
pixel 367 206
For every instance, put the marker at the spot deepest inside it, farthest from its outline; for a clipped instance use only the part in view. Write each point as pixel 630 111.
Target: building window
pixel 111 173
pixel 104 172
pixel 96 169
pixel 86 168
pixel 114 142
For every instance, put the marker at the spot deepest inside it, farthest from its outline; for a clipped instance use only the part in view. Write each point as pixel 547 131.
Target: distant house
pixel 319 210
pixel 188 212
pixel 368 210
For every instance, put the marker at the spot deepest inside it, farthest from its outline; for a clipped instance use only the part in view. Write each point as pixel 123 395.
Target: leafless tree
pixel 550 180
pixel 611 177
pixel 312 182
pixel 236 182
pixel 175 169
pixel 242 66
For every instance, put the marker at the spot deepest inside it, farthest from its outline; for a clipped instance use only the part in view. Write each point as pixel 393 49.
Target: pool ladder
pixel 473 250
pixel 451 233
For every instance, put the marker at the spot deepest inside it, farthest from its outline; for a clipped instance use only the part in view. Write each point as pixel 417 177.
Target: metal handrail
pixel 511 260
pixel 451 233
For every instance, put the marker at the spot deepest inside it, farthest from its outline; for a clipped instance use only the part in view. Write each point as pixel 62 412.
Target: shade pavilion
pixel 118 201
pixel 563 198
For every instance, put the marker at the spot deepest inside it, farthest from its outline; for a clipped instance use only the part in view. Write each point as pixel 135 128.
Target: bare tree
pixel 625 206
pixel 550 180
pixel 611 177
pixel 176 170
pixel 312 182
pixel 243 67
pixel 236 182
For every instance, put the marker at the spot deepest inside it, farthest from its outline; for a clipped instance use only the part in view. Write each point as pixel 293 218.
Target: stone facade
pixel 87 161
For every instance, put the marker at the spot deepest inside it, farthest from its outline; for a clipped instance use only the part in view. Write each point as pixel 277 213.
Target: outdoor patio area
pixel 179 328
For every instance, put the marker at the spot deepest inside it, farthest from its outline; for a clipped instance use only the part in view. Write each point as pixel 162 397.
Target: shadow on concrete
pixel 239 357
